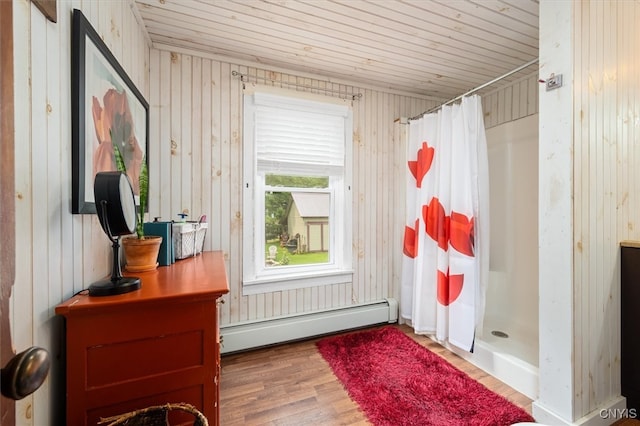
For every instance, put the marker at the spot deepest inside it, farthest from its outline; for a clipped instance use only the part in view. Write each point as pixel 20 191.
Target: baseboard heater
pixel 240 337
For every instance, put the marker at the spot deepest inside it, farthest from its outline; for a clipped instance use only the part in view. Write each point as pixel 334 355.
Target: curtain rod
pixel 475 89
pixel 245 79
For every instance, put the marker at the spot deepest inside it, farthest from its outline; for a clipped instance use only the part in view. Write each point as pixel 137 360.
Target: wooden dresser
pixel 630 322
pixel 156 345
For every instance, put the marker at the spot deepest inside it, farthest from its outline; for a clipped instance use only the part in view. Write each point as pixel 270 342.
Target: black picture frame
pixel 106 108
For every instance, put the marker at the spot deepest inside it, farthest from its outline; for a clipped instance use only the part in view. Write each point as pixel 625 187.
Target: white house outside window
pixel 297 190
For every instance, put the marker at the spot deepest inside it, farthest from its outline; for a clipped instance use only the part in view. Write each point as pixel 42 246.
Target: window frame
pixel 257 278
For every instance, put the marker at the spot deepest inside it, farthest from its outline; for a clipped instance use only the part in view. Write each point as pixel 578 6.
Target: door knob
pixel 24 373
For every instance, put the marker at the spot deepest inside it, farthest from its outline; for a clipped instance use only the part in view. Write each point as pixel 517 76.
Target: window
pixel 297 191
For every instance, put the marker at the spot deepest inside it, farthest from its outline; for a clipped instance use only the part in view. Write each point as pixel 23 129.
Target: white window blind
pixel 291 138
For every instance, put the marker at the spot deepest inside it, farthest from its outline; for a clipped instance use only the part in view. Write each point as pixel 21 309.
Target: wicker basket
pixel 154 416
pixel 188 238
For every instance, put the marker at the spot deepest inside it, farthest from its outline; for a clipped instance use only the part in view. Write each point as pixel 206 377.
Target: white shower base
pixel 512 360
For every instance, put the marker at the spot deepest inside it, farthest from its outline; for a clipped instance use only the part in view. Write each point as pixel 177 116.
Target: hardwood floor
pixel 291 384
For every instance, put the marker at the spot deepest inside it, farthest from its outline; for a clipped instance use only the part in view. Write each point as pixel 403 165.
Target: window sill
pixel 289 282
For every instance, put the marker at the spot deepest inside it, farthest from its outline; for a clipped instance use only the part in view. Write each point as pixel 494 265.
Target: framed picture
pixel 107 111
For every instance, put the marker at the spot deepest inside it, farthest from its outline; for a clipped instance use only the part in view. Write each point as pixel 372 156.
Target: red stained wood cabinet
pixel 149 347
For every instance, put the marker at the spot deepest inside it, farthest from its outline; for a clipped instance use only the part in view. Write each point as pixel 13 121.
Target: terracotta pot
pixel 141 254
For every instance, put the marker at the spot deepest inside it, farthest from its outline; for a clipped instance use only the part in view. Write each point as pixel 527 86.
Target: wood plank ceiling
pixel 431 48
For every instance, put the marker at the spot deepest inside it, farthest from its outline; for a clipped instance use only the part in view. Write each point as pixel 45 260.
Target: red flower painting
pixel 114 124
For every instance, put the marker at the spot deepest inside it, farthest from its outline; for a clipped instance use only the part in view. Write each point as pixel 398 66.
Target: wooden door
pixel 7 212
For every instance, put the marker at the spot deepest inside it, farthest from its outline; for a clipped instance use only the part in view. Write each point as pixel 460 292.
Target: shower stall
pixel 507 344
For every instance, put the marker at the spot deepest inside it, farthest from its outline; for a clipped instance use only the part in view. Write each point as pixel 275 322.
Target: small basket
pixel 188 238
pixel 154 416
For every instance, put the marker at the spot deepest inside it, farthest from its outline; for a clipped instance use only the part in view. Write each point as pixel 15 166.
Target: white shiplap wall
pixel 589 186
pixel 607 186
pixel 197 121
pixel 57 253
pixel 512 101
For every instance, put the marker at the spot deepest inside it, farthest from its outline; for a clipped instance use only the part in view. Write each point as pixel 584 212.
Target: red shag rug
pixel 396 381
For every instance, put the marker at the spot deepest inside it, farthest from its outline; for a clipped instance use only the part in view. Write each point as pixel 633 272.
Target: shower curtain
pixel 446 240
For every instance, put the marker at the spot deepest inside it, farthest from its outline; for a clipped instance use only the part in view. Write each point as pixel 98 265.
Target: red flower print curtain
pixel 446 239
